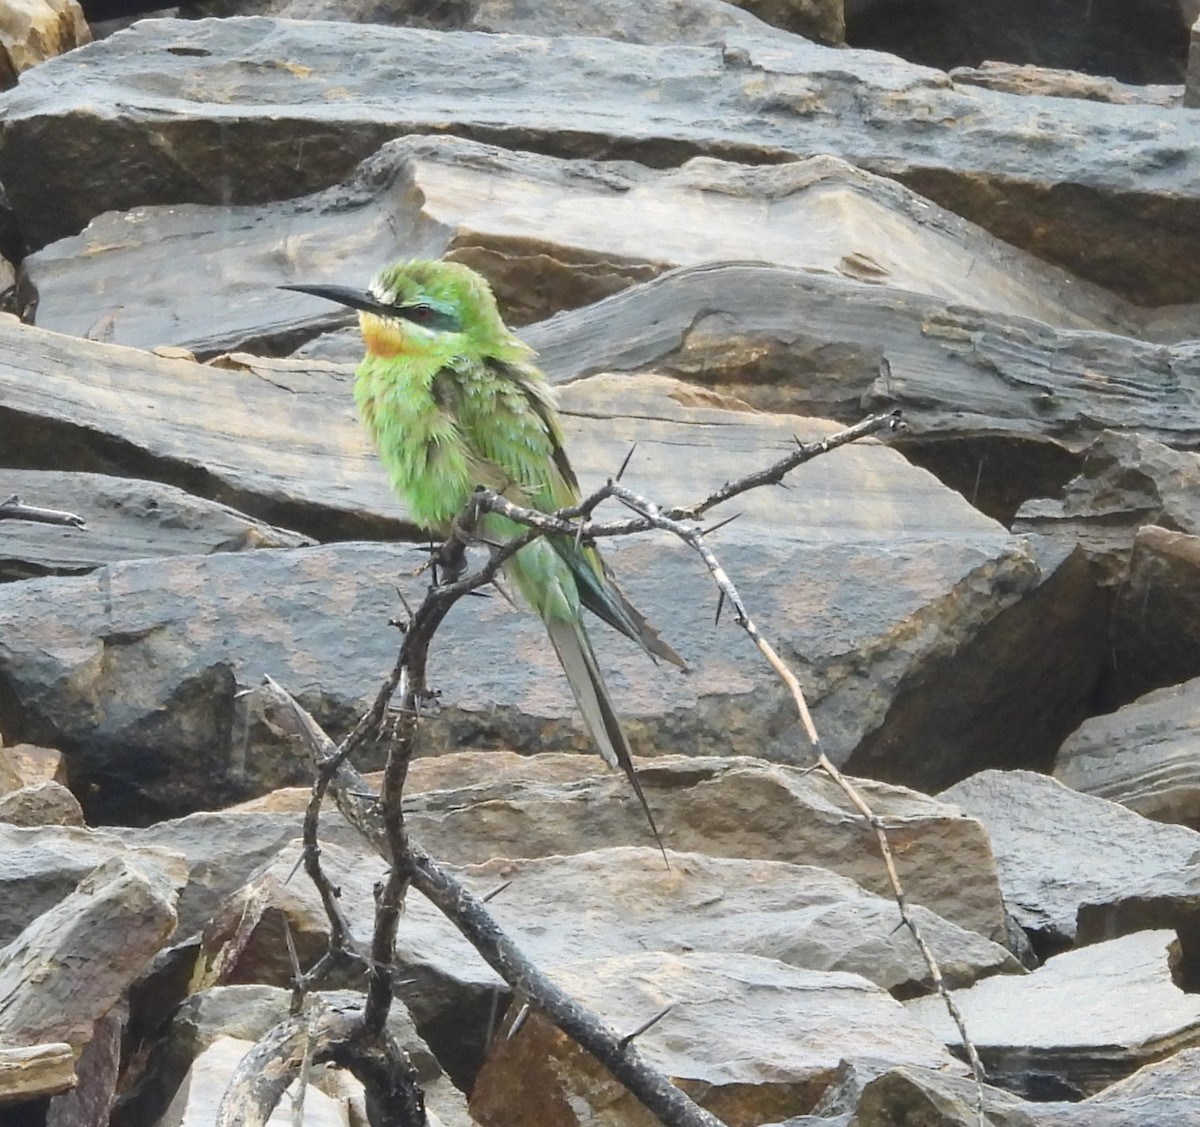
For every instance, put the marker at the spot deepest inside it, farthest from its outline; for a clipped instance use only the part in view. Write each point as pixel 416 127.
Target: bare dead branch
pixel 470 915
pixel 333 1035
pixel 13 509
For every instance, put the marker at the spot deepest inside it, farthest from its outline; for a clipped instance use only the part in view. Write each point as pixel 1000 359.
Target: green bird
pixel 453 401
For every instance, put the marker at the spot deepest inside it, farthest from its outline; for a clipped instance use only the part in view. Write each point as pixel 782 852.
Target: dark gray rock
pixel 1156 620
pixel 126 518
pixel 1108 191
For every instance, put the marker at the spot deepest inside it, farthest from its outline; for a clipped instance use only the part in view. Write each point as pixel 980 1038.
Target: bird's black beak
pixel 343 295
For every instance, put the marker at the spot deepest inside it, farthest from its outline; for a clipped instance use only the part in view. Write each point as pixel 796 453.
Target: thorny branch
pixel 382 820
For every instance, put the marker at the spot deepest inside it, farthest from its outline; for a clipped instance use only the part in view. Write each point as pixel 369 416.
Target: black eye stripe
pixel 429 317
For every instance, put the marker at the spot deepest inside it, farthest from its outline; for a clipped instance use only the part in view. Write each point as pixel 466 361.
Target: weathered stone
pixel 126 519
pixel 623 900
pixel 32 31
pixel 613 901
pixel 1156 620
pixel 1024 78
pixel 199 1096
pixel 71 965
pixel 1081 1021
pixel 735 808
pixel 32 1072
pixel 549 234
pixel 1126 481
pixel 802 1024
pixel 43 864
pixel 282 445
pixel 1001 408
pixel 1144 756
pixel 41 804
pixel 1063 855
pixel 1058 184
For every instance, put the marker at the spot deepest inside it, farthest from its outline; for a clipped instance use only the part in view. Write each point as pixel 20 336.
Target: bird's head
pixel 418 305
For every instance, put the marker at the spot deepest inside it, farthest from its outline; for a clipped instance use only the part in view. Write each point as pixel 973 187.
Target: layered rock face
pixel 726 230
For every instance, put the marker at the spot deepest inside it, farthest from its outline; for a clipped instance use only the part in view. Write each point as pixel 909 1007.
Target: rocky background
pixel 723 228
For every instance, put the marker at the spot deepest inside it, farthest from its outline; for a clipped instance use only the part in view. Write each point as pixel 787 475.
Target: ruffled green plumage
pixel 453 400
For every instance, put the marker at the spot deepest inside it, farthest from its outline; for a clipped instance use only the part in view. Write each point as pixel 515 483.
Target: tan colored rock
pixel 30 1072
pixel 32 31
pixel 11 778
pixel 37 764
pixel 751 1039
pixel 726 807
pixel 42 804
pixel 1084 1019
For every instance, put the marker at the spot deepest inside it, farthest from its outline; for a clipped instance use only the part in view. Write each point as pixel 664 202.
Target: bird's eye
pixel 422 313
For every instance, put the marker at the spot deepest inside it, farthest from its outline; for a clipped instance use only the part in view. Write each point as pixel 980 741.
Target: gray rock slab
pixel 469 807
pixel 1001 408
pixel 126 518
pixel 624 900
pixel 630 21
pixel 1084 1019
pixel 802 1025
pixel 1108 191
pixel 1145 756
pixel 1078 868
pixel 549 234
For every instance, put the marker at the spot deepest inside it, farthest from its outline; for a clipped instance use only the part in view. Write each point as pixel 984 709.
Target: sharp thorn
pixel 495 891
pixel 625 464
pixel 720 607
pixel 519 1021
pixel 721 524
pixel 624 1042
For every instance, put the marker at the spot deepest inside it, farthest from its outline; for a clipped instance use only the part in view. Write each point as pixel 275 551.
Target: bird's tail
pixel 575 654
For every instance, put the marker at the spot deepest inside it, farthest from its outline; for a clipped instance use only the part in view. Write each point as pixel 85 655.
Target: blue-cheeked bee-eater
pixel 454 401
